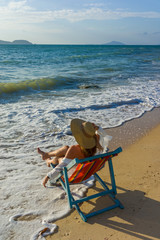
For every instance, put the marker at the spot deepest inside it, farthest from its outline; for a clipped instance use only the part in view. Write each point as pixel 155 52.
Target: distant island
pixel 114 43
pixel 16 42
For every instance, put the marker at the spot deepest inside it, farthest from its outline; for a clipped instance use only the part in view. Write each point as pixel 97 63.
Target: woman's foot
pixel 43 154
pixel 48 162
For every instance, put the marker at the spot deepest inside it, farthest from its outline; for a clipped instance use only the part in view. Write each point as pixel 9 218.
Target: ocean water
pixel 43 87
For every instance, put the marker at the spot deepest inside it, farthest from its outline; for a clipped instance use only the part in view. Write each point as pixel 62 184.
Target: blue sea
pixel 43 87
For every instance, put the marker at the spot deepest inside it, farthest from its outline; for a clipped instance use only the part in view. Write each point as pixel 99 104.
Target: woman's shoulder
pixel 75 147
pixel 74 152
pixel 70 153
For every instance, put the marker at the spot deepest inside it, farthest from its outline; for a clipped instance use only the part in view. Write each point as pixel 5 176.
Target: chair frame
pixel 111 192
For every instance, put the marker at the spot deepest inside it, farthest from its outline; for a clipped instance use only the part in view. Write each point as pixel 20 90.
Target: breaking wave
pixel 29 85
pixel 100 107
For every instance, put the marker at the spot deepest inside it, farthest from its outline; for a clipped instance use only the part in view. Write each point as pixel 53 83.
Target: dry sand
pixel 137 172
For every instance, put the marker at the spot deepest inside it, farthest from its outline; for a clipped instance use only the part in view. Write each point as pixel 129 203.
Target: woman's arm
pixel 70 155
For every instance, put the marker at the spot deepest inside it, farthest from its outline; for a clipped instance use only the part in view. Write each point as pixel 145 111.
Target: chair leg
pixel 101 181
pixel 112 176
pixel 71 200
pixel 67 188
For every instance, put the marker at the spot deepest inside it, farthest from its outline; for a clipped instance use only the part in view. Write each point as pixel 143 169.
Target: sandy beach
pixel 137 173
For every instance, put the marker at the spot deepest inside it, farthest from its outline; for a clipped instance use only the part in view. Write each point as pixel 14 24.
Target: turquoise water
pixel 42 87
pixel 52 67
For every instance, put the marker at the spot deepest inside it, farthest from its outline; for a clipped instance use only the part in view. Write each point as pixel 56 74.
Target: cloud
pixel 20 12
pixel 94 5
pixel 156 33
pixel 18 6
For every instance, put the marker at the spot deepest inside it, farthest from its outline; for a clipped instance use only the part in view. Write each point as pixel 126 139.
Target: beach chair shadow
pixel 85 168
pixel 141 218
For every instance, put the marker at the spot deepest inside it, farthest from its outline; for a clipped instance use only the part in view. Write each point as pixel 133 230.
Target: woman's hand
pixel 45 180
pixel 98 144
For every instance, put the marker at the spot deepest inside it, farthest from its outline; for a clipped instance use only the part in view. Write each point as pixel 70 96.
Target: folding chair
pixel 86 168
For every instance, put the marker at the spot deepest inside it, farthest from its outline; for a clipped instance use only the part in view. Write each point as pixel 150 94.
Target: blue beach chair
pixel 86 168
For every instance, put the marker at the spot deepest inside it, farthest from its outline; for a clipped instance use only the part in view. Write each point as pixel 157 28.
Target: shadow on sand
pixel 140 217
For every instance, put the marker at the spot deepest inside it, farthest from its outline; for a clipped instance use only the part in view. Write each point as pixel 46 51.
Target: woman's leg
pixel 44 155
pixel 60 152
pixel 55 161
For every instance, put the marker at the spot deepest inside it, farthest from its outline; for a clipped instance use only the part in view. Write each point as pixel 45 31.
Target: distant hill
pixel 114 43
pixel 16 42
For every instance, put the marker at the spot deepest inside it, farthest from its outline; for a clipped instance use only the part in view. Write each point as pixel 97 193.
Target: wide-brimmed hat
pixel 84 133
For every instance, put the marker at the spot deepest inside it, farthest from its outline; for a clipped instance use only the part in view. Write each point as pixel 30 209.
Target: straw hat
pixel 84 133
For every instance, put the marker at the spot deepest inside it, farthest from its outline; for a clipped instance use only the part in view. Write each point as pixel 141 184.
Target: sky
pixel 80 21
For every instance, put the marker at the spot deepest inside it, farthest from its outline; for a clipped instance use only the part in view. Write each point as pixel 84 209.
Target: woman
pixel 88 137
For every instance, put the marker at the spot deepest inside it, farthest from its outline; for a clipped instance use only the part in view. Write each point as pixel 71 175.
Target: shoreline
pixel 132 130
pixel 138 186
